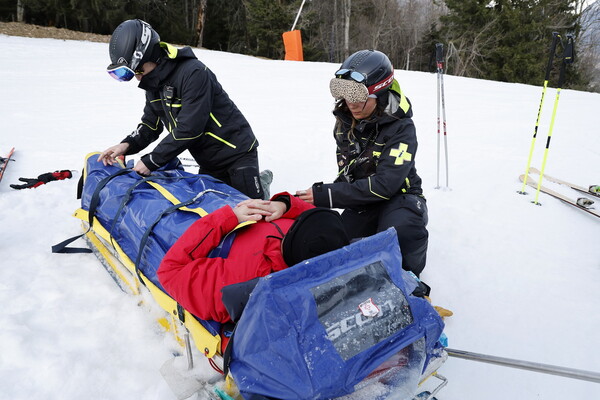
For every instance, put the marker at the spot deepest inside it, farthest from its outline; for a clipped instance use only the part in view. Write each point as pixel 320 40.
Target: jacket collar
pixel 168 63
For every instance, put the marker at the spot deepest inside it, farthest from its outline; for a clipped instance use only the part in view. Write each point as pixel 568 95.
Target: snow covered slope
pixel 522 280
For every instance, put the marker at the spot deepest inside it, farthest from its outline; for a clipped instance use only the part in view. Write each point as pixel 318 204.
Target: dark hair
pixel 342 108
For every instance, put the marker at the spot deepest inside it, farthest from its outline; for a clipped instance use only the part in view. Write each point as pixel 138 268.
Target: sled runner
pixel 325 328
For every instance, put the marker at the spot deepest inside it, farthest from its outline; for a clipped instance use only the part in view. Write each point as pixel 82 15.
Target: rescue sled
pixel 325 328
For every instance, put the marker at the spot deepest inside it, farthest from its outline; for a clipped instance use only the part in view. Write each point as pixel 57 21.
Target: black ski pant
pixel 242 174
pixel 407 213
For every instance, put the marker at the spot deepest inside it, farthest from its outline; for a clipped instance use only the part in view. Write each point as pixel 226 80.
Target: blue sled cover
pixel 318 329
pixel 146 215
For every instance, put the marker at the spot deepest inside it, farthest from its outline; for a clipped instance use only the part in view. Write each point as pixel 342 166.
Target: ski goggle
pixel 352 75
pixel 122 73
pixel 349 90
pixel 351 86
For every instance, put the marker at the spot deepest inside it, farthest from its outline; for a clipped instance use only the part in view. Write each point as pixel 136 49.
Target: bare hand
pixel 277 209
pixel 306 195
pixel 141 168
pixel 255 210
pixel 108 156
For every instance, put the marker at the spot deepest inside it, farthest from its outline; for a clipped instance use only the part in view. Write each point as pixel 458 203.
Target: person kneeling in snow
pixel 272 244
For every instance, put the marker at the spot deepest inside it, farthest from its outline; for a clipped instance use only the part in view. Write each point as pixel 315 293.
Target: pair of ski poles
pixel 439 59
pixel 567 59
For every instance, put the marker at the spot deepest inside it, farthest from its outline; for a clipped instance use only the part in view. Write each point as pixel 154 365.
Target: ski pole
pixel 567 59
pixel 437 47
pixel 444 125
pixel 555 38
pixel 439 58
pixel 589 376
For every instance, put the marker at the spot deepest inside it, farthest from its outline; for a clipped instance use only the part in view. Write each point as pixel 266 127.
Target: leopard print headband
pixel 349 90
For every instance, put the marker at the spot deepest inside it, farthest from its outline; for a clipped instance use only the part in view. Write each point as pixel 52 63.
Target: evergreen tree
pixel 266 20
pixel 225 26
pixel 505 40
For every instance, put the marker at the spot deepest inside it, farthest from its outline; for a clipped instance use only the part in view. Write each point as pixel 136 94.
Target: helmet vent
pixel 358 59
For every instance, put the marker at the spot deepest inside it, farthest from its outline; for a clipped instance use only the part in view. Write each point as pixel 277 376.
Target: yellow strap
pixel 169 196
pixel 200 211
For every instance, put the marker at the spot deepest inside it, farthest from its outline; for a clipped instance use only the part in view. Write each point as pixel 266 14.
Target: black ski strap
pixel 94 202
pixel 144 239
pixel 129 193
pixel 439 56
pixel 126 199
pixel 568 58
pixel 229 348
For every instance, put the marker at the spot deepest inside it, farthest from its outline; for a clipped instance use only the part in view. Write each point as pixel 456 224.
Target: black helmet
pixel 132 44
pixel 374 66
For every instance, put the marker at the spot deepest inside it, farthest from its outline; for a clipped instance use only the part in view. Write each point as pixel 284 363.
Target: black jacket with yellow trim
pixel 376 161
pixel 184 96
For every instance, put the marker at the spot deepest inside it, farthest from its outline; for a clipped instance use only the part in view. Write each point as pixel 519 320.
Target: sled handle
pixel 589 376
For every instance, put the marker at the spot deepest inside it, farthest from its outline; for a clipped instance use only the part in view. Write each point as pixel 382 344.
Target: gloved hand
pixel 443 312
pixel 42 179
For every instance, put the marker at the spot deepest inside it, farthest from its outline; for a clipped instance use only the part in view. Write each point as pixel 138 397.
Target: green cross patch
pixel 401 154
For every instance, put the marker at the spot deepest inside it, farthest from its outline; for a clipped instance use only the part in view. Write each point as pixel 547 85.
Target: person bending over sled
pixel 274 242
pixel 377 184
pixel 185 96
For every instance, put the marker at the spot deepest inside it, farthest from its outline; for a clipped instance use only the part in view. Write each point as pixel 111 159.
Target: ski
pixel 564 199
pixel 565 183
pixel 4 162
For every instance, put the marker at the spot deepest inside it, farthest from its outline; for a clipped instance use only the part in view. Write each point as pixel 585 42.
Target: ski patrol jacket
pixel 195 281
pixel 376 157
pixel 184 96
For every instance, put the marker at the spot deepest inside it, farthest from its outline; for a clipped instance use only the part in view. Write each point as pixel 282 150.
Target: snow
pixel 521 279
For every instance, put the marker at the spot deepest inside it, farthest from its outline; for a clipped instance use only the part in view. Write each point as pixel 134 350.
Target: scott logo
pixel 383 83
pixel 357 320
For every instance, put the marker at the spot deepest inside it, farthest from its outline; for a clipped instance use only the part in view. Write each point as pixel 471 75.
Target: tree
pixel 225 26
pixel 504 40
pixel 200 17
pixel 266 20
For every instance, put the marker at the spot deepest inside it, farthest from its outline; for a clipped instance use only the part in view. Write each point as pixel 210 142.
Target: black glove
pixel 42 179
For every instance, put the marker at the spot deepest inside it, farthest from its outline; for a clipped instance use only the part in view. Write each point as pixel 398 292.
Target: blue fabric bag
pixel 130 208
pixel 316 330
pixel 146 221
